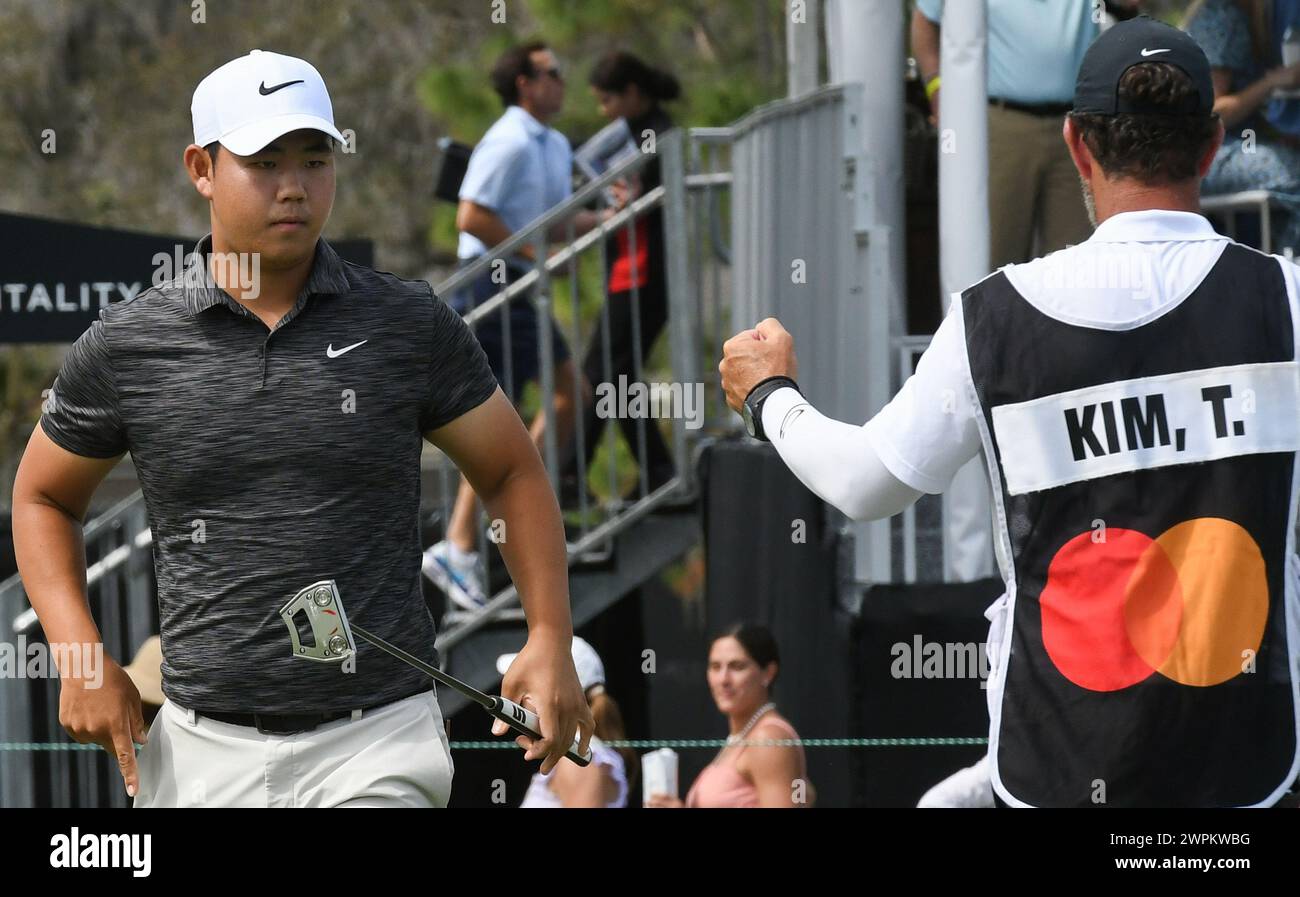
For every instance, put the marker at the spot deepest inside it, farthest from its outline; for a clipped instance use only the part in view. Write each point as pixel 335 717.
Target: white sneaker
pixel 458 579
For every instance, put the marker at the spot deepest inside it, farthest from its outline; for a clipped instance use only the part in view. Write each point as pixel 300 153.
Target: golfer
pixel 1135 399
pixel 275 422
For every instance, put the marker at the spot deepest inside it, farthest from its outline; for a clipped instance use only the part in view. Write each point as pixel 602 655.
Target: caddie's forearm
pixel 834 459
pixel 534 550
pixel 52 562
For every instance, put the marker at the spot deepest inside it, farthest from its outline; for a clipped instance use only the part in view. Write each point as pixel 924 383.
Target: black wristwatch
pixel 752 411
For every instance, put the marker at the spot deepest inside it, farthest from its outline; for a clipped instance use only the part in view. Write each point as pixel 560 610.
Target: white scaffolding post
pixel 864 43
pixel 964 252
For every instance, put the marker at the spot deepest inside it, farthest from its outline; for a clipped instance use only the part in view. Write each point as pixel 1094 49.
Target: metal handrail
pixel 89 530
pixel 543 223
pixel 783 108
pixel 507 598
pixel 27 620
pixel 555 262
pixel 713 135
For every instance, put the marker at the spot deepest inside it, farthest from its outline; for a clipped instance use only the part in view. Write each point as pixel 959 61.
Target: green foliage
pixel 728 56
pixel 461 96
pixel 113 80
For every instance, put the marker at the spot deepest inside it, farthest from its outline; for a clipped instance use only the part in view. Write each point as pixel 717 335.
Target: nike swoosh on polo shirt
pixel 331 352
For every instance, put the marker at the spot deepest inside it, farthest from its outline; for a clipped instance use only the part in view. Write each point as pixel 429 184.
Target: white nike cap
pixel 252 100
pixel 590 669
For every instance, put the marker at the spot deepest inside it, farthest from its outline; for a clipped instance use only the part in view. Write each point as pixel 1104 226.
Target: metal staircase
pixel 641 549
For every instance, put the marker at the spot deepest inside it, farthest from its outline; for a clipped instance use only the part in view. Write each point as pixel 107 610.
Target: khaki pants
pixel 1033 188
pixel 394 756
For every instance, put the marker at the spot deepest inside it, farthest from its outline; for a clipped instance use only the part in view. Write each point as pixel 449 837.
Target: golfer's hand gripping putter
pixel 524 721
pixel 333 643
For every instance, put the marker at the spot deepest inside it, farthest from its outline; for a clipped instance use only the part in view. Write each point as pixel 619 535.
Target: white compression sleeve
pixel 834 459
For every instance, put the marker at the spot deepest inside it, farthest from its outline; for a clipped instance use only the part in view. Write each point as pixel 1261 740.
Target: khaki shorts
pixel 394 756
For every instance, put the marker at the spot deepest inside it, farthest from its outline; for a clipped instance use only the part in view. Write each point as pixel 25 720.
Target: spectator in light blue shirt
pixel 519 170
pixel 1034 51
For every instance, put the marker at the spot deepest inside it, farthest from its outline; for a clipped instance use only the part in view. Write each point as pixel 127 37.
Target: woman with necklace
pixel 748 771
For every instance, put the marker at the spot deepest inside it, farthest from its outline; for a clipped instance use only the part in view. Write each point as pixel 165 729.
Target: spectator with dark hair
pixel 743 666
pixel 1157 149
pixel 519 170
pixel 1261 146
pixel 627 88
pixel 522 60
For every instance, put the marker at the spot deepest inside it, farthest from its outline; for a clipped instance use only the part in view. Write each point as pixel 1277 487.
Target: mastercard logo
pixel 1190 605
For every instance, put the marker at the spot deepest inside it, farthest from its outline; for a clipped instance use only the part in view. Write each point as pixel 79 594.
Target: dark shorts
pixel 524 355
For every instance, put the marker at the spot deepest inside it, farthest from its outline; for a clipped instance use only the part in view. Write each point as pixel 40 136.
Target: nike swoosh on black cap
pixel 1137 41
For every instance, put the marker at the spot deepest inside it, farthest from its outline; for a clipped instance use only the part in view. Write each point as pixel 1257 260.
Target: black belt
pixel 294 723
pixel 1039 109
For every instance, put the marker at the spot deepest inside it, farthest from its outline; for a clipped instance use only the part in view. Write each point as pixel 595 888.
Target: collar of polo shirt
pixel 1154 226
pixel 531 125
pixel 201 291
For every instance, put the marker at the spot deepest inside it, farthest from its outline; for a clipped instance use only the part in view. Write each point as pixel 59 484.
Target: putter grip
pixel 523 720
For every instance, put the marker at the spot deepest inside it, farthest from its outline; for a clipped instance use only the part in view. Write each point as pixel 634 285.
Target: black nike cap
pixel 1126 44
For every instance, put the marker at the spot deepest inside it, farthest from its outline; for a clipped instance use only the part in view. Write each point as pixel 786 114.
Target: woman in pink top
pixel 743 664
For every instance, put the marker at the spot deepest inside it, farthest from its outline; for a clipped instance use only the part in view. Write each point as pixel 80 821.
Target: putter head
pixel 329 624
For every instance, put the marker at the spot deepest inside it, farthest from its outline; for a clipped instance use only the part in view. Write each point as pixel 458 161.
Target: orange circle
pixel 1225 600
pixel 1153 605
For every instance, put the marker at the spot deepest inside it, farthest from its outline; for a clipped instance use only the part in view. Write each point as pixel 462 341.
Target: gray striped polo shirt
pixel 271 459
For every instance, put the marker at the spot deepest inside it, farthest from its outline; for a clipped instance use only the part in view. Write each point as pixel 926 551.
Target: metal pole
pixel 643 471
pixel 801 46
pixel 542 302
pixel 681 294
pixel 964 253
pixel 864 40
pixel 578 439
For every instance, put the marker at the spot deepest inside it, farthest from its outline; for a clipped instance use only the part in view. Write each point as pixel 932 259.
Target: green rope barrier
pixel 654 743
pixel 39 746
pixel 636 743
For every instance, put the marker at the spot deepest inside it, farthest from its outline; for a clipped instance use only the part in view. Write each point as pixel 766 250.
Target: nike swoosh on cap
pixel 1146 52
pixel 267 91
pixel 331 352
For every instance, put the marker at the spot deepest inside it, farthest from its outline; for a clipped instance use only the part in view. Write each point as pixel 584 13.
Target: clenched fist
pixel 751 356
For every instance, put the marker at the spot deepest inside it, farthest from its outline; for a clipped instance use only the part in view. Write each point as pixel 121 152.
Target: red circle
pixel 1086 612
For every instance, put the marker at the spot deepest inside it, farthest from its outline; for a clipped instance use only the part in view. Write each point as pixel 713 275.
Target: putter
pixel 332 634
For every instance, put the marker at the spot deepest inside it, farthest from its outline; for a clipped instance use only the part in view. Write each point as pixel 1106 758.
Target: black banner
pixel 57 276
